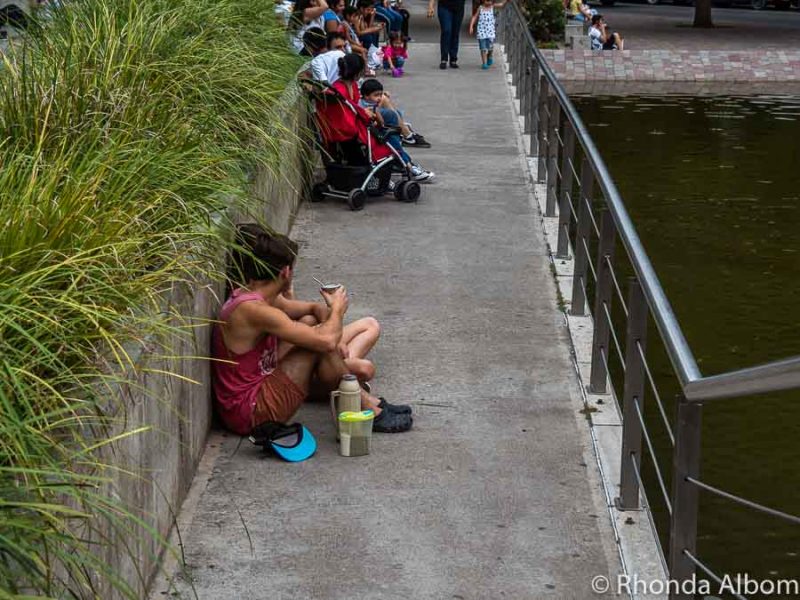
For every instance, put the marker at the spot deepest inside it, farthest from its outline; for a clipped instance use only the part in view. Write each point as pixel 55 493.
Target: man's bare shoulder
pixel 255 313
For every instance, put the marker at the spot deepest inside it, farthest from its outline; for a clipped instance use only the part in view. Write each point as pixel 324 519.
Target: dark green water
pixel 713 186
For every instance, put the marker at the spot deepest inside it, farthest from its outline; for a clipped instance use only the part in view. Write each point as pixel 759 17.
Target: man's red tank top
pixel 236 383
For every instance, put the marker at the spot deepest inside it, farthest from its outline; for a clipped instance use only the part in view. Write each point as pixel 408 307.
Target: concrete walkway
pixel 495 492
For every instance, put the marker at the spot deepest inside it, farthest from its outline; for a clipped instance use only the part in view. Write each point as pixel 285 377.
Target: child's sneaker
pixel 415 139
pixel 420 174
pixel 485 66
pixel 490 62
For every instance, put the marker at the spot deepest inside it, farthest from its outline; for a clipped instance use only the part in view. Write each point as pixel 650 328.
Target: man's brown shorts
pixel 278 399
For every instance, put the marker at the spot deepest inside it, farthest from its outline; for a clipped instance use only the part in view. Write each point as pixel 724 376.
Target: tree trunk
pixel 702 14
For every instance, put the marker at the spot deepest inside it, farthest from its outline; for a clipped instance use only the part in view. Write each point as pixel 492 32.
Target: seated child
pixel 600 38
pixel 395 54
pixel 370 100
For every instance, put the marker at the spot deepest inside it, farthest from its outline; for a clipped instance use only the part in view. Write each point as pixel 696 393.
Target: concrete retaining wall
pixel 177 408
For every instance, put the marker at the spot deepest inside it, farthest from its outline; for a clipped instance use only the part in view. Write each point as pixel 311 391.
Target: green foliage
pixel 545 18
pixel 126 128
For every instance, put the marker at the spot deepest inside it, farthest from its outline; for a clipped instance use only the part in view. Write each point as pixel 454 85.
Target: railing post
pixel 583 231
pixel 603 297
pixel 554 123
pixel 510 47
pixel 633 397
pixel 685 463
pixel 523 43
pixel 544 94
pixel 515 58
pixel 518 61
pixel 533 107
pixel 564 210
pixel 525 104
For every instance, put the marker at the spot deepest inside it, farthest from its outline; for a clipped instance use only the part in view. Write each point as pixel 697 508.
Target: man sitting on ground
pixel 601 39
pixel 267 348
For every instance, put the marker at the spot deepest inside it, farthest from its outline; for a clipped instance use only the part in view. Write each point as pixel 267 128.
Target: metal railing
pixel 556 131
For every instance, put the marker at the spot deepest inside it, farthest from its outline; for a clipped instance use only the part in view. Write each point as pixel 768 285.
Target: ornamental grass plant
pixel 127 130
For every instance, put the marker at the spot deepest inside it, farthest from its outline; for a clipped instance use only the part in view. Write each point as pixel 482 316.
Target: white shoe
pixel 420 174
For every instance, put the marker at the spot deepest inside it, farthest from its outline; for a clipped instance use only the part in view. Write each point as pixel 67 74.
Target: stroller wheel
pixel 356 199
pixel 407 191
pixel 318 191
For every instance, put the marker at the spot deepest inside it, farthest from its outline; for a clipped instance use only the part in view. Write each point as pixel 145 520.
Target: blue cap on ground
pixel 294 444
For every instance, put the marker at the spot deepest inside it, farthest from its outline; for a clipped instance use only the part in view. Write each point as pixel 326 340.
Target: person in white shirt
pixel 325 64
pixel 601 39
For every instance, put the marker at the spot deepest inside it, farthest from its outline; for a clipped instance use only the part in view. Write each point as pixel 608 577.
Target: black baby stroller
pixel 358 161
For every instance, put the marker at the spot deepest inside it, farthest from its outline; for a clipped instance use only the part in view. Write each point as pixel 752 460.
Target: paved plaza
pixel 746 46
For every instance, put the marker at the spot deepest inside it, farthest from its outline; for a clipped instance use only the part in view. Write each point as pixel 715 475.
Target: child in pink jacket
pixel 395 54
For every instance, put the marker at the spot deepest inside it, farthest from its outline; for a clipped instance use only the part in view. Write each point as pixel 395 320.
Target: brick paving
pixel 661 46
pixel 675 65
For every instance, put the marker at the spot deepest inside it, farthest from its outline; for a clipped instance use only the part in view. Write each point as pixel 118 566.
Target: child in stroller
pixel 358 160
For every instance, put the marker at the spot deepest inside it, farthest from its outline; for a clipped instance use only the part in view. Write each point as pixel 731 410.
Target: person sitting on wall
pixel 267 348
pixel 579 11
pixel 601 39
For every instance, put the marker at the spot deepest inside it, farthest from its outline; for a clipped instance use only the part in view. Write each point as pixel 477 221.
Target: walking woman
pixel 450 14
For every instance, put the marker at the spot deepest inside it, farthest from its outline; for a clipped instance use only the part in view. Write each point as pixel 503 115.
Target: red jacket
pixel 342 119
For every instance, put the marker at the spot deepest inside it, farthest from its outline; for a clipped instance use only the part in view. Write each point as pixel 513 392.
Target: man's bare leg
pixel 299 365
pixel 330 369
pixel 360 337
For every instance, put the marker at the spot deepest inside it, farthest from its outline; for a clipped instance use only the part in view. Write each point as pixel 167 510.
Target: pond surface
pixel 713 186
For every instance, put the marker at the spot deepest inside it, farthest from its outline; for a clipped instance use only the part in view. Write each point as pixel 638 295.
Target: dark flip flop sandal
pixel 400 409
pixel 389 422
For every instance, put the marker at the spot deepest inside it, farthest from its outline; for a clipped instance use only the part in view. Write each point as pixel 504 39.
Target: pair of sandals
pixel 394 418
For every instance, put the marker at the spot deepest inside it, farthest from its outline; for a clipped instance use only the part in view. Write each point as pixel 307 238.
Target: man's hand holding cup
pixel 335 298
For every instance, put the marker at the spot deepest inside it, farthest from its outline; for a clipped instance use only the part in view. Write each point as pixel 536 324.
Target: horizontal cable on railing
pixel 589 261
pixel 575 175
pixel 657 396
pixel 616 285
pixel 638 476
pixel 657 468
pixel 591 215
pixel 571 206
pixel 744 502
pixel 614 336
pixel 565 228
pixel 709 572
